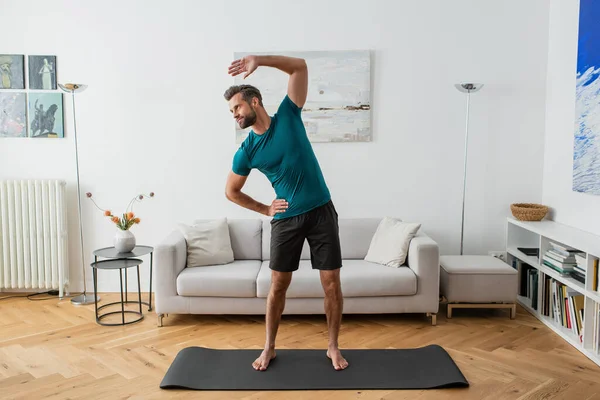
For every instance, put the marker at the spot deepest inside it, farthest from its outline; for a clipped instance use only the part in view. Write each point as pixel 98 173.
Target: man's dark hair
pixel 248 93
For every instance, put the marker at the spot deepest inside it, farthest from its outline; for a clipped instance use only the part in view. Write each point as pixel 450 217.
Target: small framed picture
pixel 12 71
pixel 13 114
pixel 42 72
pixel 46 115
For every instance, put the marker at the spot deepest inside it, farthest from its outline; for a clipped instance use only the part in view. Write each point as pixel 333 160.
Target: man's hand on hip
pixel 277 206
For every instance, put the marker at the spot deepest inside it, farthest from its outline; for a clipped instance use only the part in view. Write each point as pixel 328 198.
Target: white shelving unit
pixel 540 235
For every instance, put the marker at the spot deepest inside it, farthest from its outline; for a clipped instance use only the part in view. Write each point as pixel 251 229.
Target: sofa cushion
pixel 356 235
pixel 246 237
pixel 207 243
pixel 389 245
pixel 237 279
pixel 359 278
pixel 355 238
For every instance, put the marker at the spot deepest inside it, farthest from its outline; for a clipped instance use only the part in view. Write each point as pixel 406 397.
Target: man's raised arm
pixel 295 67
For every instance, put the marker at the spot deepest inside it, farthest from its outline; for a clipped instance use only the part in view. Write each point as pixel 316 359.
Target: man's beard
pixel 248 121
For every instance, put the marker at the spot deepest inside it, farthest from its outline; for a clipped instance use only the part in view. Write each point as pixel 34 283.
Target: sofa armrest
pixel 171 258
pixel 424 259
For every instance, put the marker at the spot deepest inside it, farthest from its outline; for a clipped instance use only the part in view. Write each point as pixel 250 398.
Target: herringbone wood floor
pixel 54 350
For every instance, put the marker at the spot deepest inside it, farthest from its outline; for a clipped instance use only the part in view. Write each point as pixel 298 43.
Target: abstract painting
pixel 338 105
pixel 46 115
pixel 586 152
pixel 13 115
pixel 42 72
pixel 12 71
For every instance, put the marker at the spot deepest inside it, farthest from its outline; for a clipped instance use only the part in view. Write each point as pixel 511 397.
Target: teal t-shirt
pixel 284 154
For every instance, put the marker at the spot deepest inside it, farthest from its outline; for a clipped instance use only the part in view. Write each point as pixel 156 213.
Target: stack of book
pixel 566 261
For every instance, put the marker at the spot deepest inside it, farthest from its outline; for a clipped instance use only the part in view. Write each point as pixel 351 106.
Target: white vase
pixel 124 241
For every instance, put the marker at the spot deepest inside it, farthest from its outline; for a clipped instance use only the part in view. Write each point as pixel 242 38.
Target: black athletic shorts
pixel 319 227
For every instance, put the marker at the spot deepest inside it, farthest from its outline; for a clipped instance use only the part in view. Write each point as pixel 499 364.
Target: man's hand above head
pixel 246 64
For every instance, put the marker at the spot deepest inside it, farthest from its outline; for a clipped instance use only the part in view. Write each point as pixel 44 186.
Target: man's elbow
pixel 302 65
pixel 231 194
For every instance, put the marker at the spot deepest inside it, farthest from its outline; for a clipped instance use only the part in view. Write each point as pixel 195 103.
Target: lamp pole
pixel 467 88
pixel 73 88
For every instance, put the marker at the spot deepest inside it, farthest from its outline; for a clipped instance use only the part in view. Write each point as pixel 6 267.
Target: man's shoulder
pixel 287 106
pixel 248 141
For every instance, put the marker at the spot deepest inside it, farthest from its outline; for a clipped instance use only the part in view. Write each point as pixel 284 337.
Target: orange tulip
pixel 130 215
pixel 107 213
pixel 115 220
pixel 136 221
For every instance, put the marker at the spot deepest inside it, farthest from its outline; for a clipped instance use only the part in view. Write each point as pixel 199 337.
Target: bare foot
pixel 262 362
pixel 337 360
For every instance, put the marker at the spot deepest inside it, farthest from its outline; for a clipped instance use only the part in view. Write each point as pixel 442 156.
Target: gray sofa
pixel 241 287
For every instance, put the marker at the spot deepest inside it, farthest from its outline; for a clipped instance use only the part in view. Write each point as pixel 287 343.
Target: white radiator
pixel 33 235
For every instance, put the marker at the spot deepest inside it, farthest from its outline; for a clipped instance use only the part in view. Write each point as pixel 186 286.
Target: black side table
pixel 120 264
pixel 138 251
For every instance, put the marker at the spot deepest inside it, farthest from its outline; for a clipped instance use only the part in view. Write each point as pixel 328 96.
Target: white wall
pixel 572 208
pixel 153 117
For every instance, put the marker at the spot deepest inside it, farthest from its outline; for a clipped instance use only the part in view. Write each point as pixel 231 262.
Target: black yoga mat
pixel 200 368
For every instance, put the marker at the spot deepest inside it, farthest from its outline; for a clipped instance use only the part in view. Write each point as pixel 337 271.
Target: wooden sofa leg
pixel 433 318
pixel 160 319
pixel 513 311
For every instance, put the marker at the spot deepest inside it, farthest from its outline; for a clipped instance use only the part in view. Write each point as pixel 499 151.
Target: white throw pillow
pixel 389 245
pixel 208 243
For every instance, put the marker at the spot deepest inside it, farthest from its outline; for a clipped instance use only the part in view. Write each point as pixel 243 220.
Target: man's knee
pixel 331 282
pixel 278 290
pixel 280 281
pixel 332 290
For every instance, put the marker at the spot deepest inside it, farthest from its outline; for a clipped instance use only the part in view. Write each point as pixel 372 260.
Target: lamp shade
pixel 72 87
pixel 468 87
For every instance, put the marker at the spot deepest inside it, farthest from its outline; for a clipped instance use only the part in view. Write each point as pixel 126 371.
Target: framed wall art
pixel 42 72
pixel 12 71
pixel 46 115
pixel 338 106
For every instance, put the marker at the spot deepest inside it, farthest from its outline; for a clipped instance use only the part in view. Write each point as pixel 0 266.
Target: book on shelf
pixel 596 330
pixel 528 283
pixel 578 276
pixel 529 251
pixel 580 260
pixel 563 305
pixel 562 268
pixel 564 251
pixel 595 275
pixel 551 255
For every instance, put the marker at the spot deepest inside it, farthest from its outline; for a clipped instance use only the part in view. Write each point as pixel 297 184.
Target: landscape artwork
pixel 586 152
pixel 46 115
pixel 42 72
pixel 13 115
pixel 338 105
pixel 12 71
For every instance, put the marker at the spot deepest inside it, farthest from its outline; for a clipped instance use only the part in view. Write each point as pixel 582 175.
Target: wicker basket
pixel 528 211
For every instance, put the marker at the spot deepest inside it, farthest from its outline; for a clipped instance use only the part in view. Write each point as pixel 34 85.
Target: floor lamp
pixel 467 88
pixel 77 88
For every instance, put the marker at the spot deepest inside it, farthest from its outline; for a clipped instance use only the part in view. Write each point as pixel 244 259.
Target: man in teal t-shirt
pixel 278 146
